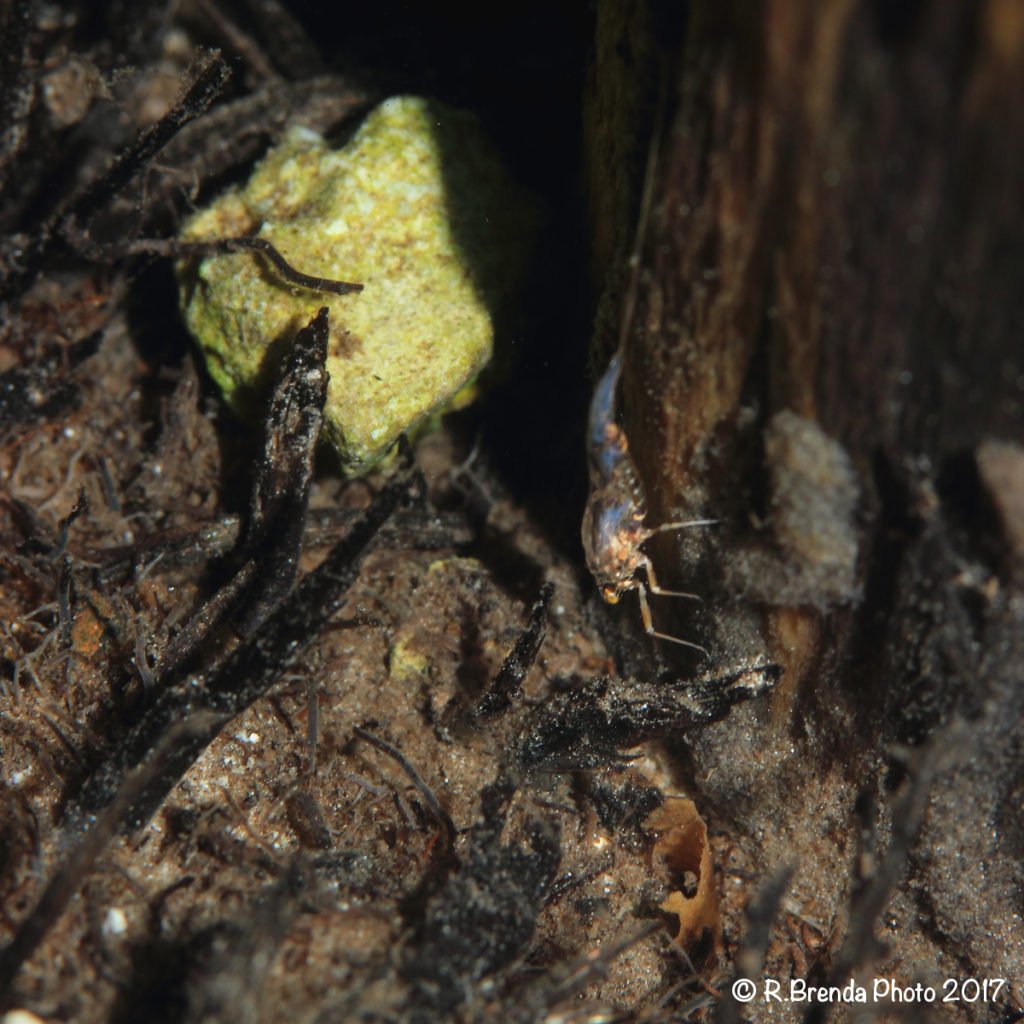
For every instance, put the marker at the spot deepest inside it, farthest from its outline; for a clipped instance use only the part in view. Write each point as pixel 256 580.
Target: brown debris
pixel 683 852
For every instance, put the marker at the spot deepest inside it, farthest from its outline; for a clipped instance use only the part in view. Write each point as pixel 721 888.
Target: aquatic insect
pixel 614 522
pixel 614 527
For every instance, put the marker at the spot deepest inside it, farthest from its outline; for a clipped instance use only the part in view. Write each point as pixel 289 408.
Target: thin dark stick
pixel 64 527
pixel 421 787
pixel 107 485
pixel 210 76
pixel 240 41
pixel 312 722
pixel 507 685
pixel 64 620
pixel 749 961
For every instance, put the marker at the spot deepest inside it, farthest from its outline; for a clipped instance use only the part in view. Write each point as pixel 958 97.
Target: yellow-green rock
pixel 418 209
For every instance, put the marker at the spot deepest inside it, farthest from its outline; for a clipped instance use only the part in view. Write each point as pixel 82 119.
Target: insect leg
pixel 645 615
pixel 656 588
pixel 665 527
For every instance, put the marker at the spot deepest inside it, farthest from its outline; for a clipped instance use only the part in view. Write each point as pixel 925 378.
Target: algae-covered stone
pixel 418 209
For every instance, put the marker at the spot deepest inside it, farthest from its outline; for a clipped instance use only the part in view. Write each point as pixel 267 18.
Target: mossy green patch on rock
pixel 418 209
